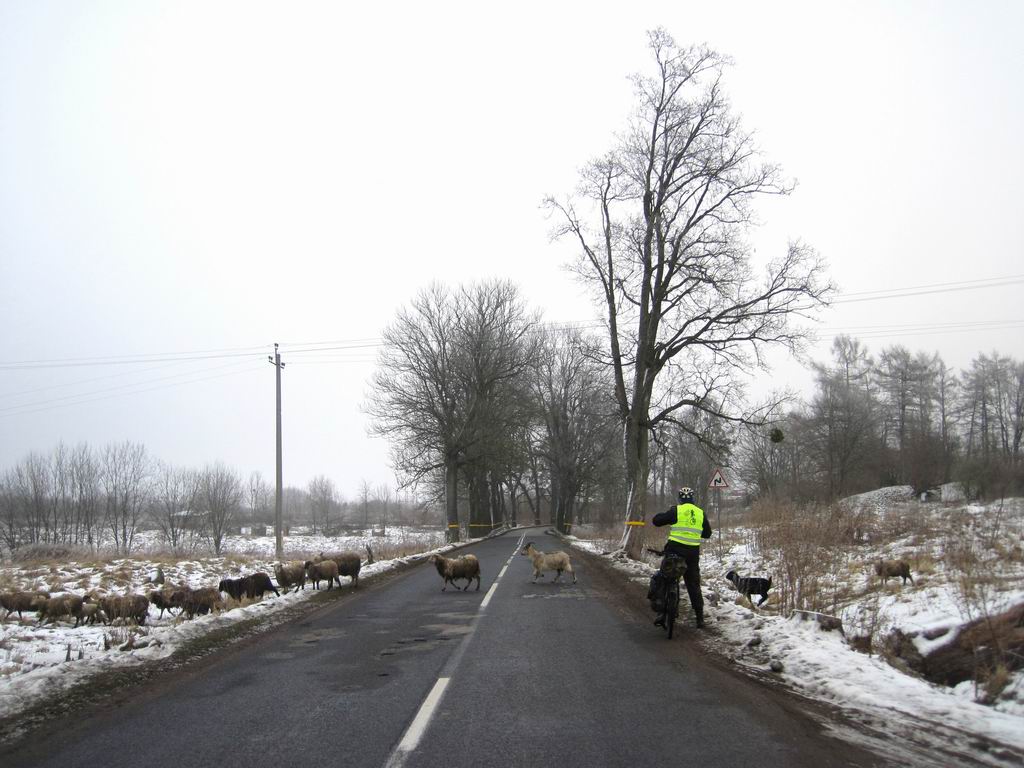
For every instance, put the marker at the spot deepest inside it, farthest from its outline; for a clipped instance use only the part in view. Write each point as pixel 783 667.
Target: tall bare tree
pixel 573 396
pixel 365 492
pixel 173 508
pixel 220 500
pixel 258 498
pixel 85 493
pixel 441 389
pixel 661 223
pixel 382 495
pixel 322 501
pixel 125 479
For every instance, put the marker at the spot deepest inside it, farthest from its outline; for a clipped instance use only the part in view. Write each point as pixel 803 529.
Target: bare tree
pixel 10 520
pixel 125 479
pixel 660 221
pixel 364 501
pixel 844 423
pixel 258 498
pixel 85 494
pixel 321 503
pixel 383 498
pixel 29 484
pixel 220 500
pixel 441 389
pixel 572 393
pixel 173 511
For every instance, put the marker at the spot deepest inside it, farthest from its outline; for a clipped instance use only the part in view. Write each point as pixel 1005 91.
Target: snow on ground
pixel 823 665
pixel 34 660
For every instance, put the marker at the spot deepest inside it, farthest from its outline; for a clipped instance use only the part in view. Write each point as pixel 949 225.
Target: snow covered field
pixel 824 666
pixel 37 661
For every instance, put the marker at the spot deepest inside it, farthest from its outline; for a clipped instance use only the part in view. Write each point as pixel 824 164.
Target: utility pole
pixel 278 528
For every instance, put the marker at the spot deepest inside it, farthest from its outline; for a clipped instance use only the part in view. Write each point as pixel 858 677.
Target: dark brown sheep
pixel 162 599
pixel 22 601
pixel 91 613
pixel 258 584
pixel 125 607
pixel 201 601
pixel 168 598
pixel 466 567
pixel 348 564
pixel 325 569
pixel 59 606
pixel 886 569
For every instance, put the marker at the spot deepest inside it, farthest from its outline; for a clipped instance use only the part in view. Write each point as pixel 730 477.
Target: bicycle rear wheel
pixel 671 608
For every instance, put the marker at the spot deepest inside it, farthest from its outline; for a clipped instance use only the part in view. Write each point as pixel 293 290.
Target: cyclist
pixel 689 527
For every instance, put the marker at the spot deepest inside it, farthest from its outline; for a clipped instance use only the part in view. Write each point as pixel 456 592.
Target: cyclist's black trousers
pixel 691 555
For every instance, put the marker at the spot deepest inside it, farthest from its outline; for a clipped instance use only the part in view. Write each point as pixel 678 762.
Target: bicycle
pixel 664 591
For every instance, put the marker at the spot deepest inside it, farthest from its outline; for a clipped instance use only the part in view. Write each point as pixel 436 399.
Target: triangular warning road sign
pixel 718 480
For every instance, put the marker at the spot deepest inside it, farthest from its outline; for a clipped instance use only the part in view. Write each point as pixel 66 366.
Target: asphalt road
pixel 401 673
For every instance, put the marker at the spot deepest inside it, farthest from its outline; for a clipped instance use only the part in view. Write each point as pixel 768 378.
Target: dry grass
pixel 122 577
pixel 46 554
pixel 993 682
pixel 811 550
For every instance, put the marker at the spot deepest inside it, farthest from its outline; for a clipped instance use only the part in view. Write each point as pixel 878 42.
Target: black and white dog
pixel 750 585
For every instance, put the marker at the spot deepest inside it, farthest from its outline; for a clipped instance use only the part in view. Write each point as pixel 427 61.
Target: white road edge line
pixel 419 724
pixel 489 595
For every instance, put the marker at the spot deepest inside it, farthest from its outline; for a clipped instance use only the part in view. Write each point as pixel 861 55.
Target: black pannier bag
pixel 656 593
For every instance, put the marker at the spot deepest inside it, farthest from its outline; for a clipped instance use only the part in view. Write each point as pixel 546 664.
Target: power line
pixel 936 285
pixel 922 332
pixel 928 292
pixel 125 394
pixel 981 324
pixel 27 365
pixel 91 379
pixel 376 341
pixel 118 387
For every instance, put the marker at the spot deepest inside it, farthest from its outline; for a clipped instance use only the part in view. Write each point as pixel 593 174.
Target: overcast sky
pixel 183 177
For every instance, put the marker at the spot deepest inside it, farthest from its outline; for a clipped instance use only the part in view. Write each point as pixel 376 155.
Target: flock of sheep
pixel 188 602
pixel 92 607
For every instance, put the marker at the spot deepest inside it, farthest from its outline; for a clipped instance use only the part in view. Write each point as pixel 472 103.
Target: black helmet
pixel 686 495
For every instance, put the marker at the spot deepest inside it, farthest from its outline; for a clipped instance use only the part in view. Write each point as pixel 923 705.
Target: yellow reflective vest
pixel 688 526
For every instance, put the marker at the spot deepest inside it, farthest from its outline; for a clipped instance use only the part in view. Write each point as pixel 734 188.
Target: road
pixel 403 674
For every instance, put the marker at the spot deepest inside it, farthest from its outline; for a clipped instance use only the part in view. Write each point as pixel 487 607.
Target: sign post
pixel 717 483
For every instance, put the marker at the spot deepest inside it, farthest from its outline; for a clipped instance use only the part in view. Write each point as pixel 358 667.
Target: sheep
pixel 466 567
pixel 91 613
pixel 257 584
pixel 22 601
pixel 325 569
pixel 886 569
pixel 234 588
pixel 556 561
pixel 348 564
pixel 134 607
pixel 201 601
pixel 179 597
pixel 168 598
pixel 61 605
pixel 290 575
